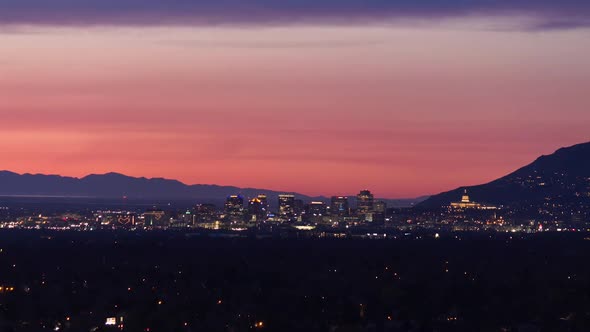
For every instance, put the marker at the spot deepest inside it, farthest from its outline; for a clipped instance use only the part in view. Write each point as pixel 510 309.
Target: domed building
pixel 465 203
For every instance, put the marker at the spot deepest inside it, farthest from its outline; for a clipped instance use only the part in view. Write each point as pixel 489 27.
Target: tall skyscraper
pixel 339 206
pixel 379 208
pixel 234 207
pixel 286 206
pixel 315 212
pixel 298 207
pixel 364 202
pixel 264 201
pixel 316 209
pixel 256 210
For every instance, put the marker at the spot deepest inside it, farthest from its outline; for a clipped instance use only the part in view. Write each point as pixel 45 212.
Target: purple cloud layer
pixel 547 14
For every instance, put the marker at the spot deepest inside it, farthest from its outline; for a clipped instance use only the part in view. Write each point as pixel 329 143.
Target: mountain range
pixel 115 185
pixel 562 176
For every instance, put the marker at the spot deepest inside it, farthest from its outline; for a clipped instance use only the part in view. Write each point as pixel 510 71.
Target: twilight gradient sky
pixel 403 97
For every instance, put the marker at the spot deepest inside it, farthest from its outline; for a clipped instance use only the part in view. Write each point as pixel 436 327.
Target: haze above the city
pixel 404 98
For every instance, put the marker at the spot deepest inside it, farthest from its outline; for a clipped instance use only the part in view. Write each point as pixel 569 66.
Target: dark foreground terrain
pixel 74 281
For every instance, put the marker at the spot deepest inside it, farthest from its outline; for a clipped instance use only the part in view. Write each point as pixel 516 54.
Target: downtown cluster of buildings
pixel 339 215
pixel 238 211
pixel 291 209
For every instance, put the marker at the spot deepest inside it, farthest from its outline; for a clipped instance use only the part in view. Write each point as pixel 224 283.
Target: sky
pixel 406 98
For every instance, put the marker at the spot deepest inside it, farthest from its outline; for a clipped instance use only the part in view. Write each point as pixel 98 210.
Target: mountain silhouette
pixel 561 176
pixel 115 185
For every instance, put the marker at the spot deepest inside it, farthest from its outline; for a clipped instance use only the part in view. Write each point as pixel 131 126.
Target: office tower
pixel 339 206
pixel 298 207
pixel 286 206
pixel 256 210
pixel 234 207
pixel 315 212
pixel 316 209
pixel 264 202
pixel 364 202
pixel 205 213
pixel 379 208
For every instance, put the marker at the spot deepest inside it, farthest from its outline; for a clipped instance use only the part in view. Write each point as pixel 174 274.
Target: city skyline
pixel 405 99
pixel 564 162
pixel 294 165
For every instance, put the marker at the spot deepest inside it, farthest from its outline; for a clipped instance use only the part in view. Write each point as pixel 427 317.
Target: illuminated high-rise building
pixel 298 207
pixel 314 212
pixel 264 201
pixel 316 209
pixel 256 210
pixel 379 209
pixel 205 213
pixel 286 206
pixel 234 207
pixel 364 202
pixel 339 206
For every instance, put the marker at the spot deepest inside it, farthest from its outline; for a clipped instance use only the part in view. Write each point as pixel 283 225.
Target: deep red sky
pixel 404 111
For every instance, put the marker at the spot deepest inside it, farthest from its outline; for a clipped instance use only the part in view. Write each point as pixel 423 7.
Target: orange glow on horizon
pixel 317 110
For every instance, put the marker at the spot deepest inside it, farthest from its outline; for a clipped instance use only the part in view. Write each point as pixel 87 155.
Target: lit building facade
pixel 286 206
pixel 316 208
pixel 264 202
pixel 234 207
pixel 256 210
pixel 339 206
pixel 205 213
pixel 466 203
pixel 155 218
pixel 365 200
pixel 379 209
pixel 315 211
